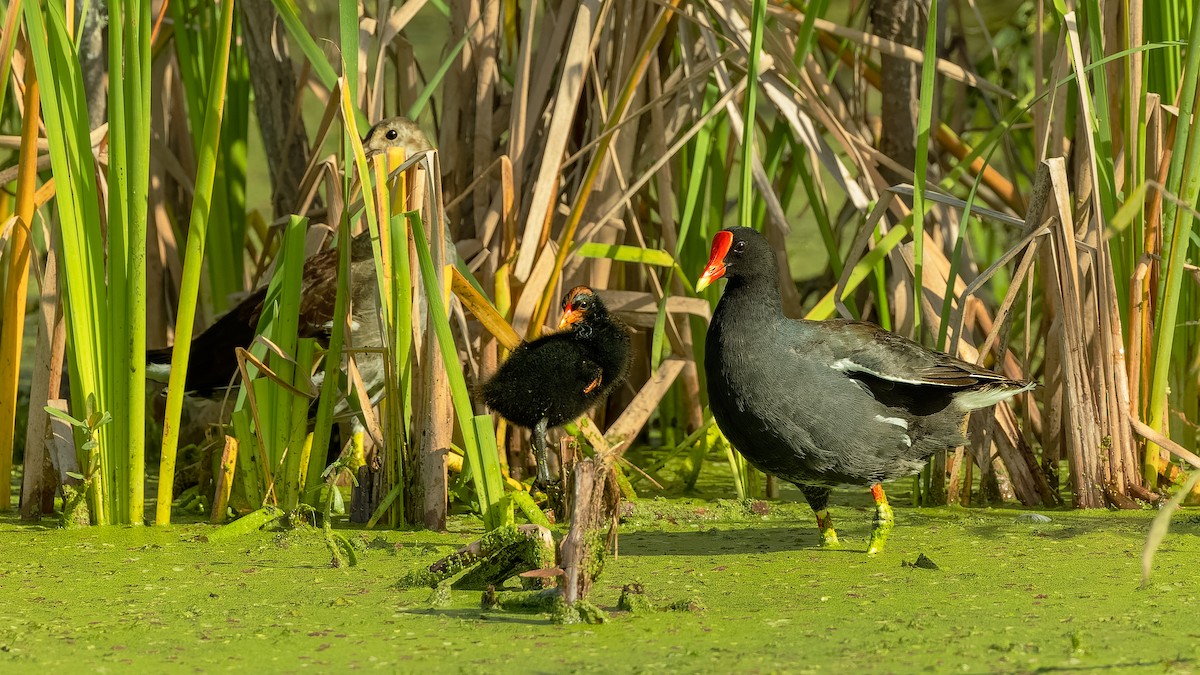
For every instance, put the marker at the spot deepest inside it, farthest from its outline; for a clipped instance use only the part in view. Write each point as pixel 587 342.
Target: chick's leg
pixel 539 453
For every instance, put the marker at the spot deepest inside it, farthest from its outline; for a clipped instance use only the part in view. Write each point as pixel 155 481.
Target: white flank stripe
pixel 843 364
pixel 846 365
pixel 892 420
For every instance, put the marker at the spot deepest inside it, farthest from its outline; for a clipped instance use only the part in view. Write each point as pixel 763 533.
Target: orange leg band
pixel 877 493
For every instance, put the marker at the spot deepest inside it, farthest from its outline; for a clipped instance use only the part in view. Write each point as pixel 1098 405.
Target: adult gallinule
pixel 832 402
pixel 213 364
pixel 560 376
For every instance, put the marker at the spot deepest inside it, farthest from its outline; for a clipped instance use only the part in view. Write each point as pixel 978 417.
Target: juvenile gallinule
pixel 560 376
pixel 825 403
pixel 213 363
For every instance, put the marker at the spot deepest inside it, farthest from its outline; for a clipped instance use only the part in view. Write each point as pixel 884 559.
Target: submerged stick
pixel 493 558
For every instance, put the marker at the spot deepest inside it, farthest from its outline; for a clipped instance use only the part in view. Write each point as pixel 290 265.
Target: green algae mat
pixel 732 587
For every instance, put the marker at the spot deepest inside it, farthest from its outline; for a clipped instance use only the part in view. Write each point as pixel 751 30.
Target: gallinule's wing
pixel 871 349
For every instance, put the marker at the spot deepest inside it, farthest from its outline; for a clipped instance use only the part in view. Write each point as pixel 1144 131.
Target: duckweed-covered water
pixel 750 591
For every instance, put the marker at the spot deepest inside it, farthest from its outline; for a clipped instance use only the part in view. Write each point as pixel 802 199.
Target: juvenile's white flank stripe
pixel 892 420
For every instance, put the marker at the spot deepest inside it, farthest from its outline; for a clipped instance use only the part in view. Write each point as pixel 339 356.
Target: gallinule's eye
pixel 739 247
pixel 392 134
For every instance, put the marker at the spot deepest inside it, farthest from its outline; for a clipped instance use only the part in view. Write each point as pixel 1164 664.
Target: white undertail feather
pixel 989 395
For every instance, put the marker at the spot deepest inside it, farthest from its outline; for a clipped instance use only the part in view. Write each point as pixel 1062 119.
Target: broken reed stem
pixel 593 515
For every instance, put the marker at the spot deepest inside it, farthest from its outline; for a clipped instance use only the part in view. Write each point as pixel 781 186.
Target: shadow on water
pixel 517 618
pixel 1063 528
pixel 269 565
pixel 725 542
pixel 737 538
pixel 47 524
pixel 1162 666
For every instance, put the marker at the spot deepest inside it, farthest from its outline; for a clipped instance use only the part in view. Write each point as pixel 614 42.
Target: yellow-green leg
pixel 828 534
pixel 818 500
pixel 884 519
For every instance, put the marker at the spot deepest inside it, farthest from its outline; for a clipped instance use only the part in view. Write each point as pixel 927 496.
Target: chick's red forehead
pixel 569 298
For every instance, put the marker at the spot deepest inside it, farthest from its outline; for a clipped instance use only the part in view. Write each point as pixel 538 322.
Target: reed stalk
pixel 1183 178
pixel 926 103
pixel 16 283
pixel 193 258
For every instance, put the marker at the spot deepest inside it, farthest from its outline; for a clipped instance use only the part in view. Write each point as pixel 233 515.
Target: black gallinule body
pixel 558 377
pixel 832 402
pixel 213 363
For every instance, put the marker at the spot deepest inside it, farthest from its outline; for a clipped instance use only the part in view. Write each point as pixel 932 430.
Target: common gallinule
pixel 213 363
pixel 825 403
pixel 560 376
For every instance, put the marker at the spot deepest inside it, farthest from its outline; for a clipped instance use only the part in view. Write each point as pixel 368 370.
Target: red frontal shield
pixel 716 260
